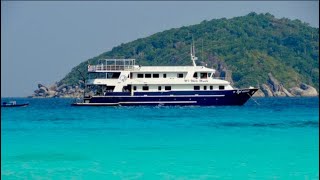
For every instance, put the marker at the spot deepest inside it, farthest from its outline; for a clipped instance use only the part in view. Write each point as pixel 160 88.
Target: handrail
pixel 93 68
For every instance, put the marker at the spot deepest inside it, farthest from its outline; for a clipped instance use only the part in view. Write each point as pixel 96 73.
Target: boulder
pixel 288 94
pixel 40 85
pixel 304 90
pixel 59 88
pixel 279 94
pixel 259 93
pixel 53 87
pixel 71 91
pixel 274 83
pixel 308 90
pixel 266 90
pixel 43 90
pixel 51 93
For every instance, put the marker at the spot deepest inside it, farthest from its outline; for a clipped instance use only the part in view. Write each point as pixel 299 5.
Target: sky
pixel 41 41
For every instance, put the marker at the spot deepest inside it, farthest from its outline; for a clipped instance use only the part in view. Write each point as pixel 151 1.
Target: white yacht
pixel 120 82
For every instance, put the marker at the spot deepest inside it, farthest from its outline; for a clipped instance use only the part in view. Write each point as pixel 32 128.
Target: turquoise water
pixel 49 139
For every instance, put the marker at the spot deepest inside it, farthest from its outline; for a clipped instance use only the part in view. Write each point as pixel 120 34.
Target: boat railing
pixel 113 65
pixel 93 68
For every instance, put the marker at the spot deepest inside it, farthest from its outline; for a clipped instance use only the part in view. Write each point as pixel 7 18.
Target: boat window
pixel 155 75
pixel 204 87
pixel 167 87
pixel 164 75
pixel 211 87
pixel 145 88
pixel 196 87
pixel 134 88
pixel 126 88
pixel 110 88
pixel 203 75
pixel 140 75
pixel 209 75
pixel 180 75
pixel 195 75
pixel 130 75
pixel 159 88
pixel 147 75
pixel 221 87
pixel 113 75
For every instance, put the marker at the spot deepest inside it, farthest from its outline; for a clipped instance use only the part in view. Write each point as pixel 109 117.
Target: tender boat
pixel 120 82
pixel 13 104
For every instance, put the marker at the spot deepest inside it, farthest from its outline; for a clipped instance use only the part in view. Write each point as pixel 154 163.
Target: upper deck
pixel 113 65
pixel 116 65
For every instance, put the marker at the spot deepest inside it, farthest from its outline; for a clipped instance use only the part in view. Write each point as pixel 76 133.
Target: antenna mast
pixel 193 54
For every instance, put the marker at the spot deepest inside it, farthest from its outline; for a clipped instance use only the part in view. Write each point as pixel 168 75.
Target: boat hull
pixel 172 98
pixel 15 105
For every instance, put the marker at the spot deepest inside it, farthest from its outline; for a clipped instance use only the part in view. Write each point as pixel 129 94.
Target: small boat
pixel 13 104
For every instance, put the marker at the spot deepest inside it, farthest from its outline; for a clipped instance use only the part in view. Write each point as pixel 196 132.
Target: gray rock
pixel 259 93
pixel 304 86
pixel 288 94
pixel 274 83
pixel 279 94
pixel 266 90
pixel 308 90
pixel 50 93
pixel 42 86
pixel 59 88
pixel 71 91
pixel 304 90
pixel 53 87
pixel 43 90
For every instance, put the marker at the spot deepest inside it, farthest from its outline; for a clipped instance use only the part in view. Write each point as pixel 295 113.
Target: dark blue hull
pixel 198 98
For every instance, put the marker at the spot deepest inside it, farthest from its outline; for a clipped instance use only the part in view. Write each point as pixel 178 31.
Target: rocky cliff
pixel 272 88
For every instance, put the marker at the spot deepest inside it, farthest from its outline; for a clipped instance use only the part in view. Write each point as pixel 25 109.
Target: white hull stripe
pixel 160 102
pixel 144 102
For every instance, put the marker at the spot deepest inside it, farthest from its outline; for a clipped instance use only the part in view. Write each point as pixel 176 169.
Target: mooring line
pixel 253 99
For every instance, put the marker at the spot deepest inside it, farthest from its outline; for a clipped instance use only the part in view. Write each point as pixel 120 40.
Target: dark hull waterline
pixel 173 98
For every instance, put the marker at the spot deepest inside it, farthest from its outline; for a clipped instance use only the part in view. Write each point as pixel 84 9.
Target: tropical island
pixel 279 56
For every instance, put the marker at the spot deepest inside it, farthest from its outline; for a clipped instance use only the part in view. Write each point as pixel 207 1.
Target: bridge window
pixel 203 75
pixel 180 75
pixel 221 87
pixel 147 75
pixel 196 87
pixel 168 88
pixel 140 75
pixel 155 75
pixel 164 75
pixel 145 88
pixel 195 75
pixel 159 88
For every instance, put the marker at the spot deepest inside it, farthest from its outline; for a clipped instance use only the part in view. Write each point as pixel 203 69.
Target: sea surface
pixel 278 138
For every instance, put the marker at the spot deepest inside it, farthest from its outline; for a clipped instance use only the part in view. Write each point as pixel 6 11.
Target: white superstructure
pixel 122 75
